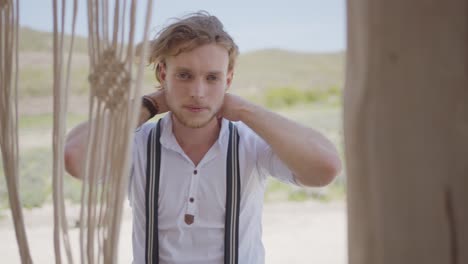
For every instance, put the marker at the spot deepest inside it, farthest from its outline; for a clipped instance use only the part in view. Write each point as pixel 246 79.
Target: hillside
pixel 255 71
pixel 32 40
pixel 279 68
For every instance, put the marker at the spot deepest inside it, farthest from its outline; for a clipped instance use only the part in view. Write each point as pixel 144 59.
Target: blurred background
pixel 292 62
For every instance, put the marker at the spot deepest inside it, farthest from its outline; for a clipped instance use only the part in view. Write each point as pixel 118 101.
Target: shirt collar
pixel 169 141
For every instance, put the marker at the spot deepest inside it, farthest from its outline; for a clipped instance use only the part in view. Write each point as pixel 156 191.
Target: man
pixel 194 218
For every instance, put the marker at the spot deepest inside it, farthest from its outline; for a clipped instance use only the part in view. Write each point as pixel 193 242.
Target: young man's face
pixel 195 83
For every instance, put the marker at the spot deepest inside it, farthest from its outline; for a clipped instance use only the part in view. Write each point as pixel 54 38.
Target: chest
pixel 188 189
pixel 200 190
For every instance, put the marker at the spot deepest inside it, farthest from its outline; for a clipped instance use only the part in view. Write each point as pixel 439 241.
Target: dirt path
pixel 294 233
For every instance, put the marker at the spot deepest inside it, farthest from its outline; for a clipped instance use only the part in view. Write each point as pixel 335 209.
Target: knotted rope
pixel 112 115
pixel 9 17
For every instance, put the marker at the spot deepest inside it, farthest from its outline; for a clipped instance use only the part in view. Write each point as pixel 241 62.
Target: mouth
pixel 195 108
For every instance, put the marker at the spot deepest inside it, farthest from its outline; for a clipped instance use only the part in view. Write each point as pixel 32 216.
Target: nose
pixel 198 89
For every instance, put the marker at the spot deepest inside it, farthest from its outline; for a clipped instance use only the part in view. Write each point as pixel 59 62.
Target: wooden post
pixel 406 131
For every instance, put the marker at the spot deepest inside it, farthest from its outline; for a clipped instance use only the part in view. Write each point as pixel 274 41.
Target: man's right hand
pixel 158 98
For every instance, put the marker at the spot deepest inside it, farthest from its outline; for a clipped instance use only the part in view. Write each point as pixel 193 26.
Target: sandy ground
pixel 302 233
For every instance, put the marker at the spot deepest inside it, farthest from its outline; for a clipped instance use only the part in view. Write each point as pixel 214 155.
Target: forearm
pixel 311 157
pixel 77 141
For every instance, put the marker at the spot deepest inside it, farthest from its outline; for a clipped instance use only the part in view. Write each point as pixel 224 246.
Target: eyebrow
pixel 182 69
pixel 179 69
pixel 215 72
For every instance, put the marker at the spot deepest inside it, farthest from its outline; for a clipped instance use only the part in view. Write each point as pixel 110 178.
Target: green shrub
pixel 282 97
pixel 298 196
pixel 278 191
pixel 33 184
pixel 312 96
pixel 35 180
pixel 290 96
pixel 72 189
pixel 35 81
pixel 334 91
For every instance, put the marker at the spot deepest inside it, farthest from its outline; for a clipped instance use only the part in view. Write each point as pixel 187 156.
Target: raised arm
pixel 77 138
pixel 309 155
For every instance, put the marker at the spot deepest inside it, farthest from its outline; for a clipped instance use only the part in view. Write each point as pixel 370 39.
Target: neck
pixel 203 137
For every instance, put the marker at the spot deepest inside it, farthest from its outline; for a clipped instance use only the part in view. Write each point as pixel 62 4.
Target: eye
pixel 212 77
pixel 183 75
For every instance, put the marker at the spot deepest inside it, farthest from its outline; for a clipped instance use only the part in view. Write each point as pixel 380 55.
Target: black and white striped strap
pixel 231 227
pixel 231 242
pixel 153 165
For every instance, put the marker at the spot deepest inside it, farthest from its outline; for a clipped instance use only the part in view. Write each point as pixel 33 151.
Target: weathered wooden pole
pixel 406 131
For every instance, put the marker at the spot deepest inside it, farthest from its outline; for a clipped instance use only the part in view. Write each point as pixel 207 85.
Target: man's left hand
pixel 233 107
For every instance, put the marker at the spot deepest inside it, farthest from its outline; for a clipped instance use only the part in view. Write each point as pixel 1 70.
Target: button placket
pixel 191 201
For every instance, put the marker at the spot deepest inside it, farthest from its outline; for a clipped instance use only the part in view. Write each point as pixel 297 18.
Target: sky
pixel 296 25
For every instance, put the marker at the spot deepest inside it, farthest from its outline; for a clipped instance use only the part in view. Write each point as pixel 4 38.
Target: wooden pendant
pixel 189 219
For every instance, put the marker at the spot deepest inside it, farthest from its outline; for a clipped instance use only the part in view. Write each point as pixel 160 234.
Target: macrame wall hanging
pixel 113 114
pixel 9 25
pixel 60 91
pixel 115 82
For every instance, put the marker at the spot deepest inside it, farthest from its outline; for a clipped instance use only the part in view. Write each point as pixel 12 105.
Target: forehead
pixel 206 58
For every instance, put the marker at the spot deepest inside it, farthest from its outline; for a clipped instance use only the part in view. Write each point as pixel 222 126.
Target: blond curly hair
pixel 188 33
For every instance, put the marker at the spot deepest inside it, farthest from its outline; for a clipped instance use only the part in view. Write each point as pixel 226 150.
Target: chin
pixel 190 122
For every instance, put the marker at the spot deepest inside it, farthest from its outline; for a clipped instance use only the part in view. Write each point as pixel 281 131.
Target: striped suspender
pixel 153 164
pixel 231 228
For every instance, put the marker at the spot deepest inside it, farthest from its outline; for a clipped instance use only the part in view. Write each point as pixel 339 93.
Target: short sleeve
pixel 266 161
pixel 132 173
pixel 136 183
pixel 269 163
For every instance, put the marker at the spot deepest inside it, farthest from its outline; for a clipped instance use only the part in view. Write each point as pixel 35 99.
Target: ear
pixel 229 78
pixel 162 72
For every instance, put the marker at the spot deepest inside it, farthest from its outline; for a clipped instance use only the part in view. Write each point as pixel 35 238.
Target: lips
pixel 195 108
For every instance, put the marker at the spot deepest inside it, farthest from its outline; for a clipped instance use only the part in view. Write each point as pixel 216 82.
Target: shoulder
pixel 142 133
pixel 248 138
pixel 245 132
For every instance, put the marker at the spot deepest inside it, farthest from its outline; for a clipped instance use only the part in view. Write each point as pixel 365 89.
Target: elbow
pixel 321 177
pixel 334 166
pixel 70 161
pixel 331 168
pixel 315 180
pixel 330 171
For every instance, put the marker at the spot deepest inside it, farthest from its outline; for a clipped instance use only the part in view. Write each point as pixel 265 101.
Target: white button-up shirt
pixel 201 191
